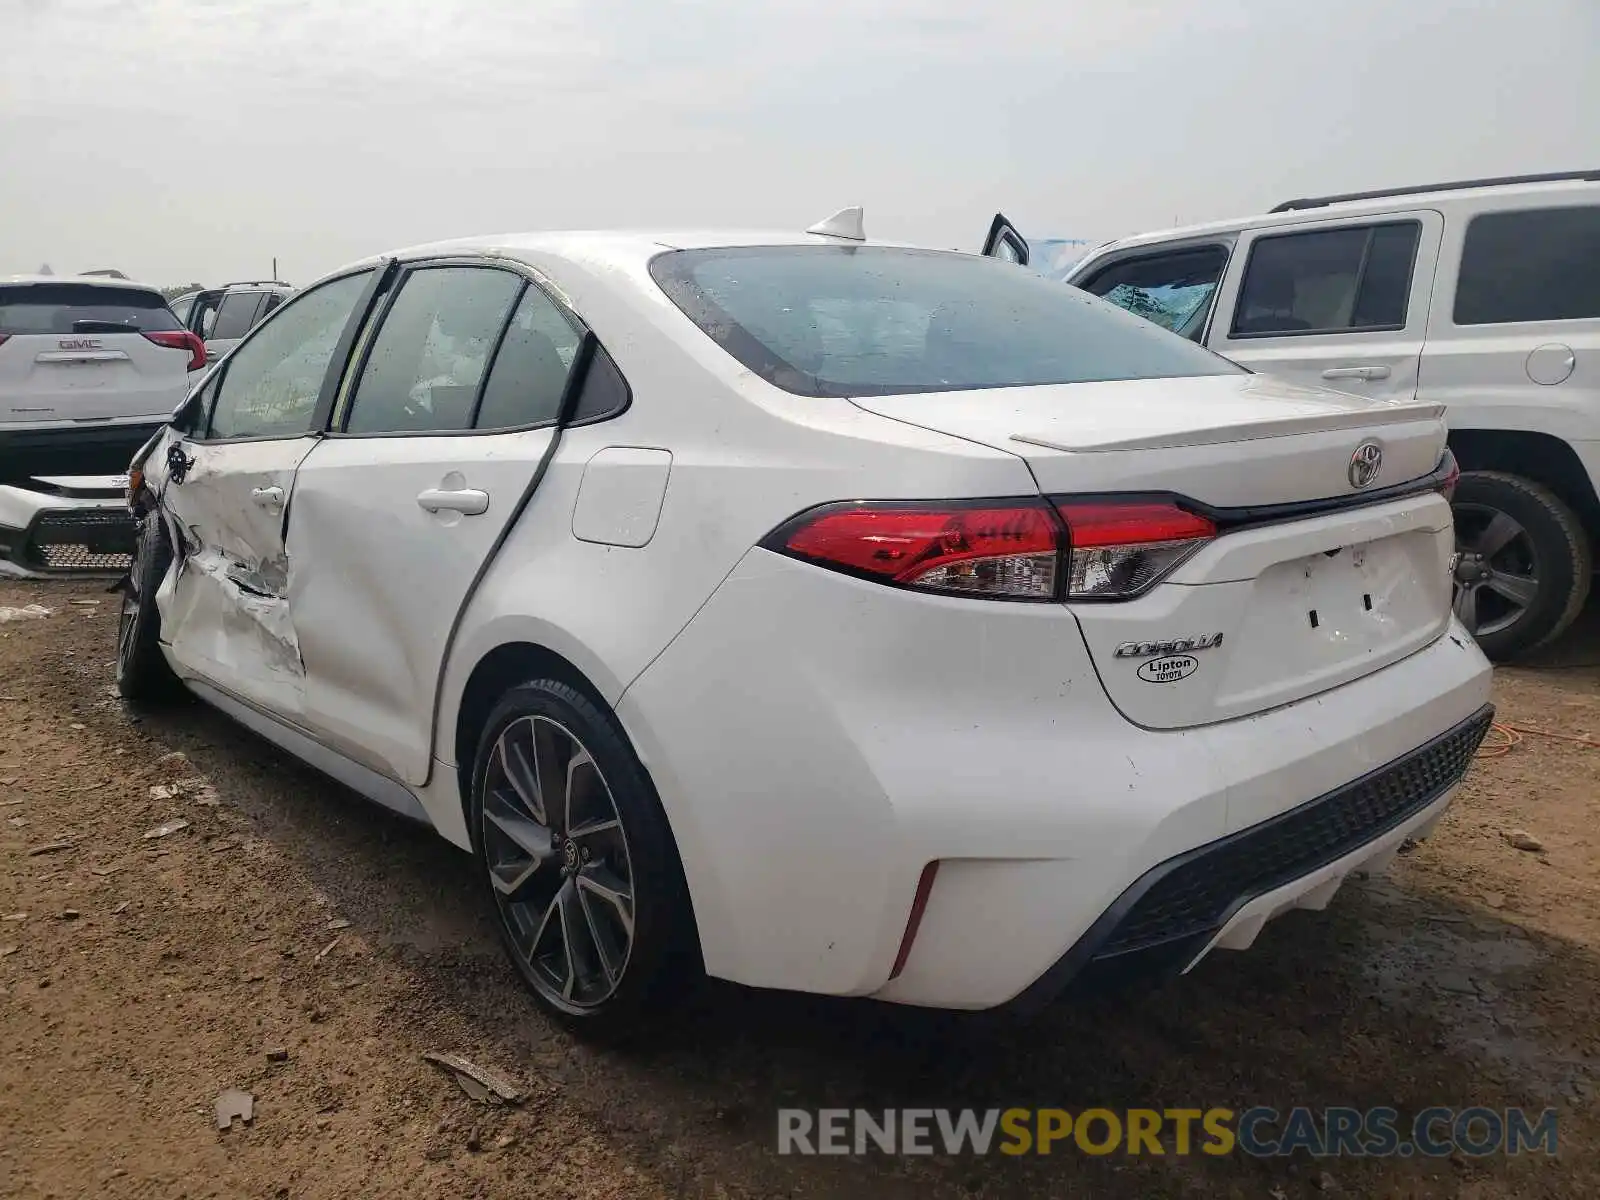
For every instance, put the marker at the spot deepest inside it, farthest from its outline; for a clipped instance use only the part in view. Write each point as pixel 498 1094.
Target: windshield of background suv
pixel 56 308
pixel 879 321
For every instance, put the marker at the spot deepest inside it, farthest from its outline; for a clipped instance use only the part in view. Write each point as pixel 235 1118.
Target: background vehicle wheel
pixel 1523 563
pixel 580 862
pixel 143 675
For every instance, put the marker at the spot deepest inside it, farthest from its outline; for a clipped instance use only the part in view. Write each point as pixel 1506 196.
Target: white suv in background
pixel 220 317
pixel 89 369
pixel 1482 295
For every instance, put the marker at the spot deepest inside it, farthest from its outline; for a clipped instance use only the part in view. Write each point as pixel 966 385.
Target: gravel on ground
pixel 187 911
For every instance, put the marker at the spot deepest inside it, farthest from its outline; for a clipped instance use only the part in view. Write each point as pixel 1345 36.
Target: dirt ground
pixel 140 976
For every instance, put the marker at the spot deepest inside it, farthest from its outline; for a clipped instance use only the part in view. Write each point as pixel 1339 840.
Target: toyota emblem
pixel 1365 464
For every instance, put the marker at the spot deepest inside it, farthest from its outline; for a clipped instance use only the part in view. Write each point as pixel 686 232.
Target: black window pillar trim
pixel 357 320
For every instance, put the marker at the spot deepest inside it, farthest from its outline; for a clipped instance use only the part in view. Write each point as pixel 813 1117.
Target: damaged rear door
pixel 230 485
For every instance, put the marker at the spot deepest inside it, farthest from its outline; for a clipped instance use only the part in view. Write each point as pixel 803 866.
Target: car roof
pixel 628 249
pixel 95 280
pixel 1479 197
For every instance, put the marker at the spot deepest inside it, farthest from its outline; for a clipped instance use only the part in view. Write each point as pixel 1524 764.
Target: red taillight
pixel 1123 548
pixel 1006 550
pixel 1121 523
pixel 1452 476
pixel 181 339
pixel 1000 549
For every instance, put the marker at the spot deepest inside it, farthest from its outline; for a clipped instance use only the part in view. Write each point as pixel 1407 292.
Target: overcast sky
pixel 187 140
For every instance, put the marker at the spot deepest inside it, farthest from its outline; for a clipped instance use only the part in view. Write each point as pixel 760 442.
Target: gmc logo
pixel 79 343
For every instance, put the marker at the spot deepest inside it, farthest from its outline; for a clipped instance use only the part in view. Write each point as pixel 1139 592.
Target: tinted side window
pixel 1534 265
pixel 1328 281
pixel 1173 290
pixel 531 367
pixel 270 383
pixel 237 314
pixel 431 352
pixel 605 393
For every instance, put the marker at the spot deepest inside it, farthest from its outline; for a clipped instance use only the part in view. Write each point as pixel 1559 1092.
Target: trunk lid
pixel 1282 605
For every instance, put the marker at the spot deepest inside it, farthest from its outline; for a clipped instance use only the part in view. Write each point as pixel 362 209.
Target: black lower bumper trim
pixel 73 450
pixel 1168 915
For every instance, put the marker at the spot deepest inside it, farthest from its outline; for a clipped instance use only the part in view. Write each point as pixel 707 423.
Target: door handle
pixel 267 497
pixel 1356 373
pixel 469 502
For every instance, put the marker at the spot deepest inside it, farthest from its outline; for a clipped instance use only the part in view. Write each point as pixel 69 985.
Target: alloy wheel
pixel 127 623
pixel 1496 573
pixel 557 857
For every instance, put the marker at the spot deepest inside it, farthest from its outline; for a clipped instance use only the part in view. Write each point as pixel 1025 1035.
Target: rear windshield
pixel 81 308
pixel 879 321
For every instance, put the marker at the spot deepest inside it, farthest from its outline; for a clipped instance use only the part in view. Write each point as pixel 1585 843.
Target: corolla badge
pixel 1365 464
pixel 1183 645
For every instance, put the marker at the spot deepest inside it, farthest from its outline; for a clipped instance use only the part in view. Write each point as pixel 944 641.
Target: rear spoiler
pixel 1397 414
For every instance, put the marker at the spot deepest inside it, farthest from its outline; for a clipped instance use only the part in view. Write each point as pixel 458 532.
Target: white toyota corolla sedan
pixel 819 614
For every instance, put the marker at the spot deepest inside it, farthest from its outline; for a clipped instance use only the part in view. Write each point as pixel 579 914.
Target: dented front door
pixel 226 605
pixel 229 489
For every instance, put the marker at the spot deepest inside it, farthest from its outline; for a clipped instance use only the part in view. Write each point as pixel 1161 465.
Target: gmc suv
pixel 89 369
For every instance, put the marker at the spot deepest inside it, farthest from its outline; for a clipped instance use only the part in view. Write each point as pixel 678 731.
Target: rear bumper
pixel 817 741
pixel 1221 894
pixel 63 533
pixel 73 449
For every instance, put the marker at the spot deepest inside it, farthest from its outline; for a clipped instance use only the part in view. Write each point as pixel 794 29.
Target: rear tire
pixel 580 863
pixel 1524 563
pixel 143 676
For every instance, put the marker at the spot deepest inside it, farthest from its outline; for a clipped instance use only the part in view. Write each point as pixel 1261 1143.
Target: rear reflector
pixel 1122 548
pixel 181 339
pixel 997 549
pixel 919 905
